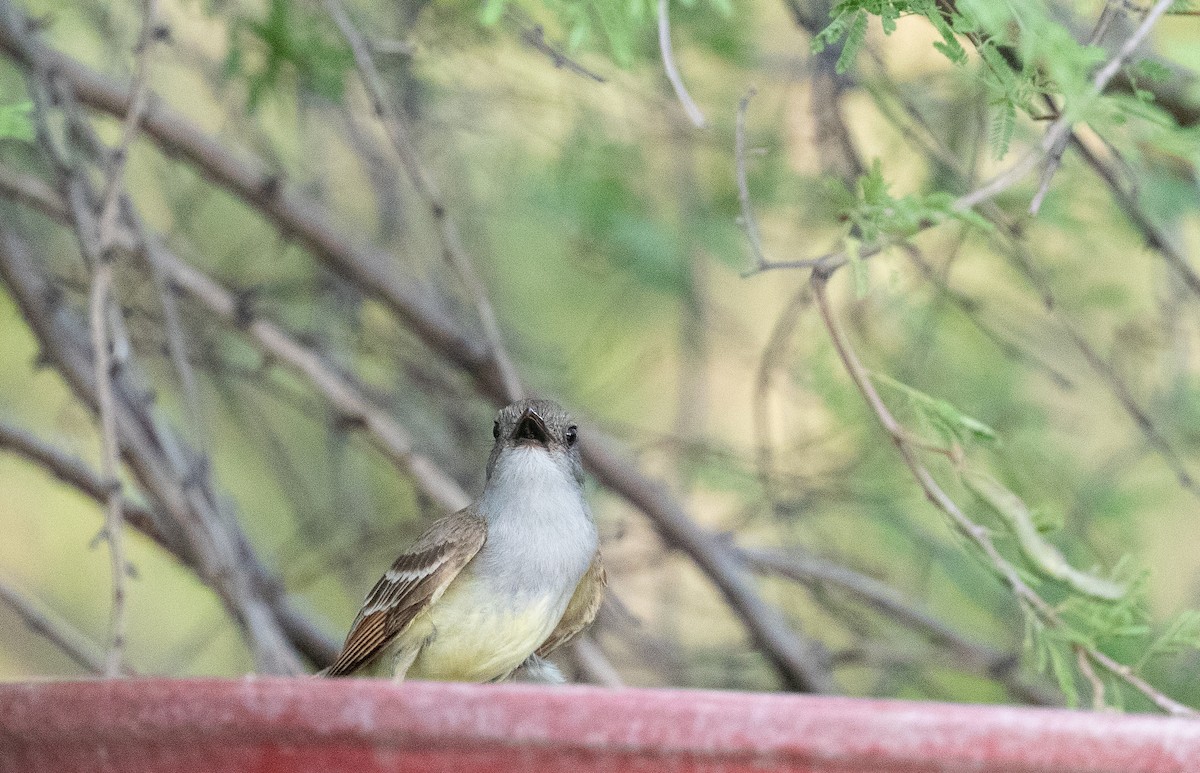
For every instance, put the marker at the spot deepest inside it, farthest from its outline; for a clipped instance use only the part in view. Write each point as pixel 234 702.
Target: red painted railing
pixel 299 725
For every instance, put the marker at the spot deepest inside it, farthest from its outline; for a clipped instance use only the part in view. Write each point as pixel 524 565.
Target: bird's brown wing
pixel 415 580
pixel 581 609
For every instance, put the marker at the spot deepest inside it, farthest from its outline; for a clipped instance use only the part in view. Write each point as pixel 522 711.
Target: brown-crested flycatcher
pixel 499 584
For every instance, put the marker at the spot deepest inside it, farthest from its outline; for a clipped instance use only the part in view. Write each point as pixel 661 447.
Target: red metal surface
pixel 299 725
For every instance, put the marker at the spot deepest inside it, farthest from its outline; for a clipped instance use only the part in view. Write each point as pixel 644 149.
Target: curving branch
pixel 977 534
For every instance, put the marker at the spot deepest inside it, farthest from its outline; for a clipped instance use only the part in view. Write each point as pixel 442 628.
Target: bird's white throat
pixel 541 537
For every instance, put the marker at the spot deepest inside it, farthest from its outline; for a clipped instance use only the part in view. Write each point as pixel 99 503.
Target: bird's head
pixel 536 426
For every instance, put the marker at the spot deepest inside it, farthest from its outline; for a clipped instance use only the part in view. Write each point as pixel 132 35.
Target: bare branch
pixel 1059 131
pixel 114 526
pixel 221 554
pixel 748 222
pixel 690 107
pixel 803 664
pixel 43 621
pixel 248 178
pixel 424 183
pixel 535 37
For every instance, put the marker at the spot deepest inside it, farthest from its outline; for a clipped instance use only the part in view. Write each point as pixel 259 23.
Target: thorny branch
pixel 102 300
pixel 114 525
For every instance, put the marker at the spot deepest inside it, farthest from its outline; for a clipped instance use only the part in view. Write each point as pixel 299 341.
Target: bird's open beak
pixel 531 429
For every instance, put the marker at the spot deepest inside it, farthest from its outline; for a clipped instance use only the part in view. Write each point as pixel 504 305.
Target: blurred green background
pixel 605 227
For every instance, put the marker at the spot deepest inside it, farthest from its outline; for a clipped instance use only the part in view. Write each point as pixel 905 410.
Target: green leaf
pixel 1062 667
pixel 953 423
pixel 858 268
pixel 855 37
pixel 1001 127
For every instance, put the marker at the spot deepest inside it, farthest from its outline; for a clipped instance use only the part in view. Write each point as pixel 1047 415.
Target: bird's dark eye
pixel 572 434
pixel 495 429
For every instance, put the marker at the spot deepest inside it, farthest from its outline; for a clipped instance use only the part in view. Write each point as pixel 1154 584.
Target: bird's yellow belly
pixel 472 639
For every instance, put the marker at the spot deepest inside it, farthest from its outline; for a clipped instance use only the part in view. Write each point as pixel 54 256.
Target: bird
pixel 496 587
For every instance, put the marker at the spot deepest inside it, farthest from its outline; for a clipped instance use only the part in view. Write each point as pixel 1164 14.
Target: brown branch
pixel 1054 157
pixel 535 37
pixel 75 473
pixel 354 406
pixel 114 525
pixel 1059 131
pixel 308 637
pixel 248 178
pixel 803 664
pixel 93 228
pixel 221 554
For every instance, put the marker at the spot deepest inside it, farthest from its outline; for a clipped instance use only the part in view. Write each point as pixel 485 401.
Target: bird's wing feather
pixel 581 609
pixel 415 580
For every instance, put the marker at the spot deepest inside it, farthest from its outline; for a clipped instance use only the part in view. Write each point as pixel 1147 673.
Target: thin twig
pixel 1054 157
pixel 452 245
pixel 535 37
pixel 690 107
pixel 114 178
pixel 114 525
pixel 748 222
pixel 976 533
pixel 45 622
pixel 1089 673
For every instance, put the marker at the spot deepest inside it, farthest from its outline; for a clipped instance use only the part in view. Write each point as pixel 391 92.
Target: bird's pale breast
pixel 473 638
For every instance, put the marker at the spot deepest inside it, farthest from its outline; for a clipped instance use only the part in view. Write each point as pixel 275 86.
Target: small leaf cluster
pixel 875 216
pixel 849 25
pixel 291 44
